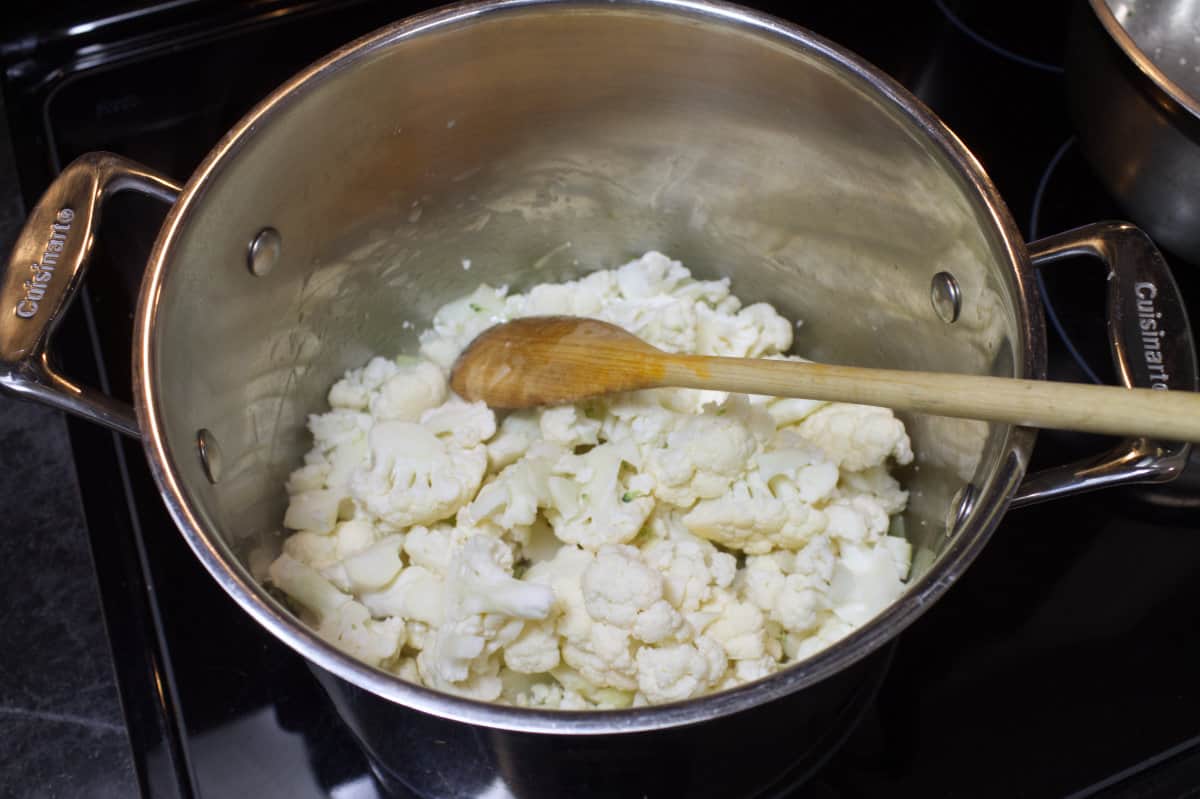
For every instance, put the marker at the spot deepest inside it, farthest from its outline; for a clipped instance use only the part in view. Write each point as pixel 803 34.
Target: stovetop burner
pixel 1062 663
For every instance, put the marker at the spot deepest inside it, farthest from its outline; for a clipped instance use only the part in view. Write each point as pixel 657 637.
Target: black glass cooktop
pixel 1063 663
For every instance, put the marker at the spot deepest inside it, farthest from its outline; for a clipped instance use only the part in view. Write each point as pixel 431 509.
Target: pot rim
pixel 1121 37
pixel 213 553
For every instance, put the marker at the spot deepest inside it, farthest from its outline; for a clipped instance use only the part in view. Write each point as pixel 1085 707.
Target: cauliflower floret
pixel 341 621
pixel 338 427
pixel 415 477
pixel 434 547
pixel 856 437
pixel 641 417
pixel 678 671
pixel 516 435
pixel 814 478
pixel 652 275
pixel 415 388
pixel 605 656
pixel 481 582
pixel 603 697
pixel 457 323
pixel 877 483
pixel 666 322
pixel 754 331
pixel 744 671
pixel 591 505
pixel 772 506
pixel 791 589
pixel 535 650
pixel 568 426
pixel 706 453
pixel 354 391
pixel 857 519
pixel 466 424
pixel 747 517
pixel 370 569
pixel 415 595
pixel 315 511
pixel 602 653
pixel 484 612
pixel 513 498
pixel 309 477
pixel 479 678
pixel 740 630
pixel 865 581
pixel 584 297
pixel 691 569
pixel 552 696
pixel 321 551
pixel 400 389
pixel 618 588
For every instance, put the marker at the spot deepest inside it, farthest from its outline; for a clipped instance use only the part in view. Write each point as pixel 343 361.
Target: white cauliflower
pixel 691 568
pixel 602 653
pixel 484 609
pixel 413 390
pixel 605 656
pixel 740 630
pixel 481 581
pixel 459 423
pixel 415 595
pixel 323 550
pixel 401 389
pixel 592 504
pixel 516 435
pixel 705 453
pixel 748 517
pixel 575 557
pixel 457 323
pixel 535 650
pixel 674 672
pixel 856 437
pixel 754 331
pixel 341 620
pixel 415 477
pixel 370 569
pixel 354 390
pixel 618 588
pixel 339 445
pixel 513 497
pixel 315 511
pixel 865 581
pixel 569 426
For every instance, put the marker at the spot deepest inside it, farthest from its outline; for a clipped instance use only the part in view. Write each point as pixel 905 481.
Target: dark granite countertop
pixel 60 715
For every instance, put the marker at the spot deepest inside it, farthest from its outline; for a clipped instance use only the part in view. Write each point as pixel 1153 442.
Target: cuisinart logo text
pixel 1151 334
pixel 43 273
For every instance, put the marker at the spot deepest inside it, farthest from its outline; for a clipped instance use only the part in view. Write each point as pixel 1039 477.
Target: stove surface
pixel 1063 663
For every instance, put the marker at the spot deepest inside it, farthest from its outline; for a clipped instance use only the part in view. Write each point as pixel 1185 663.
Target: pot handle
pixel 1152 347
pixel 44 272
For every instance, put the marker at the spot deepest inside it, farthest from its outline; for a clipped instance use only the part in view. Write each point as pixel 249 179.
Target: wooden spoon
pixel 551 360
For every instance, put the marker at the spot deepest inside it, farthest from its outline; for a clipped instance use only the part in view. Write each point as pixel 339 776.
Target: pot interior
pixel 540 142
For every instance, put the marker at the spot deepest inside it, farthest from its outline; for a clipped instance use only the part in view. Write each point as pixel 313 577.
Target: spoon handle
pixel 1171 415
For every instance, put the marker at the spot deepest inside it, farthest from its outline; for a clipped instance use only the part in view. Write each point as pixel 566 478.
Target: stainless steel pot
pixel 1133 82
pixel 539 140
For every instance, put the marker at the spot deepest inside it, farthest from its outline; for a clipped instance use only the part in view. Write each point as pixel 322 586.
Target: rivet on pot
pixel 210 454
pixel 960 508
pixel 946 296
pixel 264 251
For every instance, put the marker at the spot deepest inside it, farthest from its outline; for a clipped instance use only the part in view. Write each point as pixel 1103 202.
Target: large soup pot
pixel 539 140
